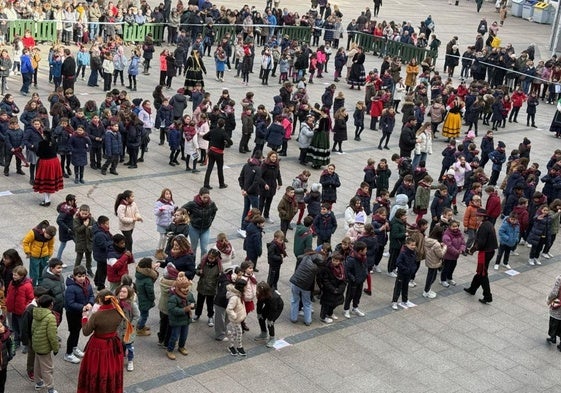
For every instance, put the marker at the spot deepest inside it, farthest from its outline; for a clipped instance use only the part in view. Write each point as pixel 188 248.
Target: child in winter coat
pixel 253 243
pixel 44 341
pixel 6 353
pixel 313 200
pixel 470 220
pixel 325 224
pixel 332 280
pixel 406 267
pixel 126 297
pixel 509 234
pixel 208 271
pixel 20 294
pixel 287 207
pixel 180 304
pixel 146 275
pixel 329 180
pixel 83 237
pixel 66 211
pixel 118 259
pixel 80 145
pixel 376 108
pixel 454 240
pixel 397 237
pixel 236 313
pixel 38 246
pixel 276 252
pixel 269 309
pixel 370 238
pixel 422 197
pixel 227 252
pixel 358 117
pixel 174 141
pixel 250 289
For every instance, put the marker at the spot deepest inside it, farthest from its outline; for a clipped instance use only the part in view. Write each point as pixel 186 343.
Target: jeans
pixel 60 250
pixel 180 332
pixel 92 80
pixel 418 158
pixel 128 349
pixel 26 80
pixel 296 294
pixel 197 235
pixel 143 318
pixel 36 268
pixel 94 27
pixel 249 201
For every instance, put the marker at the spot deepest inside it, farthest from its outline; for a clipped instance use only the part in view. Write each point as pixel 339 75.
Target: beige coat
pixel 434 251
pixel 235 308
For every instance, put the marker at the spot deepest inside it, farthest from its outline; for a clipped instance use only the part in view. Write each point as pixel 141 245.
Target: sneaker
pixel 52 390
pixel 429 295
pixel 444 284
pixel 24 349
pixel 377 269
pixel 301 313
pixel 233 351
pixel 394 306
pixel 507 266
pixel 515 253
pixel 78 353
pixel 545 255
pixel 412 284
pixel 39 385
pixel 522 242
pixel 271 342
pixel 496 267
pixel 241 351
pixel 392 274
pixel 210 322
pixel 356 311
pixel 347 314
pixel 196 318
pixel 130 365
pixel 452 282
pixel 183 351
pixel 71 358
pixel 261 337
pixel 409 304
pixel 64 265
pixel 538 262
pixel 550 255
pixel 269 220
pixel 242 233
pixel 403 304
pixel 528 245
pixel 327 320
pixel 531 262
pixel 334 317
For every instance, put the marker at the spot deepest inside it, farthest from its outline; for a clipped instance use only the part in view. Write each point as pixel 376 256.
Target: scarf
pixel 224 248
pixel 165 201
pixel 128 328
pixel 181 295
pixel 205 260
pixel 282 247
pixel 251 278
pixel 147 109
pixel 189 132
pixel 199 201
pixel 338 271
pixel 291 200
pixel 85 286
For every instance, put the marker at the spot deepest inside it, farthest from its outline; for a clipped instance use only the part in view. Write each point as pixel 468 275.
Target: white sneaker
pixel 496 267
pixel 334 317
pixel 347 314
pixel 531 261
pixel 242 233
pixel 71 358
pixel 269 221
pixel 522 242
pixel 357 312
pixel 392 274
pixel 507 267
pixel 394 306
pixel 64 265
pixel 210 322
pixel 377 269
pixel 550 255
pixel 428 295
pixel 444 284
pixel 546 256
pixel 452 282
pixel 409 304
pixel 78 353
pixel 327 320
pixel 412 284
pixel 432 295
pixel 403 304
pixel 537 261
pixel 515 253
pixel 130 365
pixel 528 245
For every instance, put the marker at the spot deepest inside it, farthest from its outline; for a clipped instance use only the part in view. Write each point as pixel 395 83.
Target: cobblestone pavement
pixel 450 344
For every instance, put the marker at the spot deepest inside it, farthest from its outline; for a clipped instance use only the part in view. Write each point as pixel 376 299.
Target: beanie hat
pixel 316 187
pixel 501 144
pixel 360 218
pixel 181 281
pixel 471 134
pixel 526 141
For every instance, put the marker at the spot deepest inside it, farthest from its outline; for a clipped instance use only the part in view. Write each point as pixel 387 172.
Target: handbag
pixel 195 155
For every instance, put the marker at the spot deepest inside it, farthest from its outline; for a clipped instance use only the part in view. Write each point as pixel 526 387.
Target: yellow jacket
pixel 36 245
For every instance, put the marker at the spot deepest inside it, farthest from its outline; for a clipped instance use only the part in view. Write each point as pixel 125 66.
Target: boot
pixel 134 86
pixel 69 171
pixel 160 256
pixel 455 209
pixel 142 332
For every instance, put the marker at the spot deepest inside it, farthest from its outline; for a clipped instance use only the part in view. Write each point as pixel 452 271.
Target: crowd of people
pixel 60 137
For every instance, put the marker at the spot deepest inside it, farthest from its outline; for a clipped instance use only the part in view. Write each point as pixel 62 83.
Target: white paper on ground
pixel 512 272
pixel 279 344
pixel 5 193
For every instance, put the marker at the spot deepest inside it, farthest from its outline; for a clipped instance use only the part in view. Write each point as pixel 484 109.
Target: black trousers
pixel 128 239
pixel 209 305
pixel 100 274
pixel 219 160
pixel 353 293
pixel 482 280
pixel 74 320
pixel 401 287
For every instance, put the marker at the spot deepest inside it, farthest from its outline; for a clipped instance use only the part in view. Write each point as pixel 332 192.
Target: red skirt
pixel 249 306
pixel 101 369
pixel 48 177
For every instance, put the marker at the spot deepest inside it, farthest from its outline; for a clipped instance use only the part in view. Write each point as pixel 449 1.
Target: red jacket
pixel 518 98
pixel 493 206
pixel 376 108
pixel 523 217
pixel 117 265
pixel 20 294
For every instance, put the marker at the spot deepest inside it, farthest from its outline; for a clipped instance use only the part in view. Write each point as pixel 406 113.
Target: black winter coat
pixel 332 289
pixel 329 183
pixel 202 215
pixel 271 176
pixel 356 269
pixel 271 308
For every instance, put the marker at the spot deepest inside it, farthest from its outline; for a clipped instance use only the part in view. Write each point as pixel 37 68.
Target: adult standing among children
pixel 68 70
pixel 218 140
pixel 486 243
pixel 194 70
pixel 48 178
pixel 407 138
pixel 202 211
pixel 271 182
pixel 357 76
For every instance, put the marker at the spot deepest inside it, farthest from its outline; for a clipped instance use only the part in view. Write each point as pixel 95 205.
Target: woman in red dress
pixel 101 370
pixel 48 177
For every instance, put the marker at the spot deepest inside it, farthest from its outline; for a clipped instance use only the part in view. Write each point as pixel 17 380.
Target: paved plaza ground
pixel 449 344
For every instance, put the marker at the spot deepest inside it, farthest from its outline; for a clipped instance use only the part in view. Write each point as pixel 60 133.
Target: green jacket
pixel 83 237
pixel 145 278
pixel 176 313
pixel 56 287
pixel 303 238
pixel 397 233
pixel 43 331
pixel 208 278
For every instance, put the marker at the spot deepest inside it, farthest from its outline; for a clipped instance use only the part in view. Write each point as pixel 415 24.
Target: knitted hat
pixel 360 218
pixel 471 134
pixel 526 141
pixel 181 281
pixel 501 144
pixel 316 187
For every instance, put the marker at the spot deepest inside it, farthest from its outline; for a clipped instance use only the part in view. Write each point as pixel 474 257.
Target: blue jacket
pixel 552 186
pixel 13 139
pixel 113 143
pixel 133 65
pixel 183 263
pixel 325 225
pixel 498 158
pixel 80 146
pixel 56 68
pixel 31 139
pixel 102 240
pixel 508 233
pixel 26 67
pixel 82 58
pixel 371 248
pixel 62 138
pixel 405 263
pixel 96 132
pixel 174 138
pixel 164 116
pixel 275 135
pixel 75 298
pixel 253 243
pixel 10 108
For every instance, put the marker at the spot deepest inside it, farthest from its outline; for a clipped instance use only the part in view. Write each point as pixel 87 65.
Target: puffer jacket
pixel 102 240
pixel 37 245
pixel 455 243
pixel 177 315
pixel 77 296
pixel 44 331
pixel 145 278
pixel 401 201
pixel 208 272
pixel 83 235
pixel 508 233
pixel 356 268
pixel 20 294
pixel 305 274
pixel 271 308
pixel 165 287
pixel 434 252
pixel 235 310
pixel 163 210
pixel 201 214
pixel 55 285
pixel 117 265
pixel 305 137
pixel 65 221
pixel 540 229
pixel 183 263
pixel 470 218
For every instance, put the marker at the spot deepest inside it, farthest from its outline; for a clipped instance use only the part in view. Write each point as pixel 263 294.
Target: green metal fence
pixel 381 46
